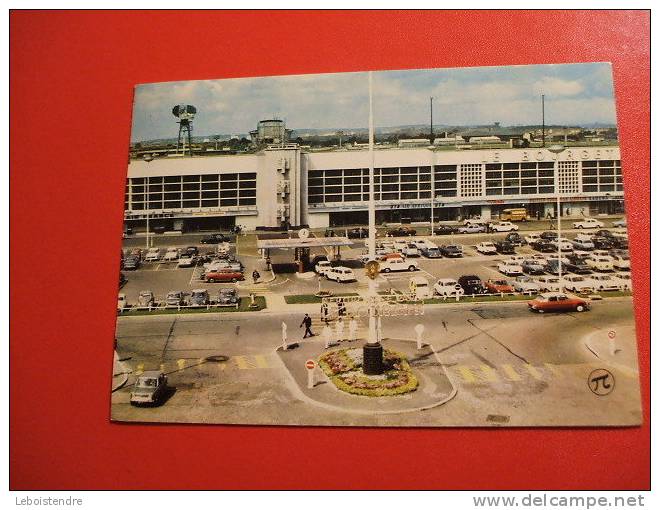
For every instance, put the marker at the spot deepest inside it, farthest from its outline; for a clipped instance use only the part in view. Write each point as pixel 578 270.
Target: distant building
pixel 414 142
pixel 270 131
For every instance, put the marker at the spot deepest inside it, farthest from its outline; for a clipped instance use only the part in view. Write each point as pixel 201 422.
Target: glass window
pixel 390 196
pixel 210 203
pixel 333 198
pixel 409 196
pixel 528 165
pixel 247 184
pixel 155 180
pixel 352 171
pixel 248 176
pixel 227 193
pixel 409 178
pixel 333 173
pixel 177 178
pixel 210 185
pixel 174 196
pixel 511 191
pixel 191 178
pixel 493 166
pixel 352 189
pixel 248 201
pixel 333 181
pixel 425 194
pixel 333 189
pixel 546 164
pixel 528 191
pixel 528 173
pixel 226 177
pixel 137 180
pixel 137 189
pixel 511 166
pixel 546 189
pixel 172 204
pixel 390 178
pixel 409 187
pixel 191 186
pixel 546 173
pixel 209 177
pixel 493 191
pixel 589 164
pixel 247 193
pixel 590 180
pixel 315 182
pixel 209 194
pixel 609 187
pixel 389 171
pixel 226 202
pixel 352 180
pixel 315 190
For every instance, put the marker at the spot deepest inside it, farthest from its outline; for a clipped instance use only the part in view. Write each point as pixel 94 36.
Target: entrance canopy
pixel 311 242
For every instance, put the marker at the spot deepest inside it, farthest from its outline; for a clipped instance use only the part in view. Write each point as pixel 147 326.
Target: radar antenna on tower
pixel 185 113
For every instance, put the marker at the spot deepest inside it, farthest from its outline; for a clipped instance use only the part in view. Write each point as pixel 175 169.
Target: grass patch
pixel 479 299
pixel 247 245
pixel 260 302
pixel 308 299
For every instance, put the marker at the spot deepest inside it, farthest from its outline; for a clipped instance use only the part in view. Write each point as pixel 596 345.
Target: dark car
pixel 199 297
pixel 131 263
pixel 549 235
pixel 150 388
pixel 193 251
pixel 432 253
pixel 471 284
pixel 215 239
pixel 515 239
pixel 401 232
pixel 577 265
pixel 604 233
pixel 505 247
pixel 543 246
pixel 552 266
pixel 532 266
pixel 444 230
pixel 175 298
pixel 358 233
pixel 159 229
pixel 451 251
pixel 600 243
pixel 228 297
pixel 619 243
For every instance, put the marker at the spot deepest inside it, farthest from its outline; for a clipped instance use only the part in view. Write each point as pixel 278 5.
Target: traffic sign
pixel 310 365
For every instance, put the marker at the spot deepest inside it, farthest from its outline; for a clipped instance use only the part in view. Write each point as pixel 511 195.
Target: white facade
pixel 284 186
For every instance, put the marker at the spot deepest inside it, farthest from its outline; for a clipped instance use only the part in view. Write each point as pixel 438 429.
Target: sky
pixel 575 94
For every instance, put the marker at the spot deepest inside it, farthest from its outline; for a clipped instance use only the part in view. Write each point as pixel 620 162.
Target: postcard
pixel 410 248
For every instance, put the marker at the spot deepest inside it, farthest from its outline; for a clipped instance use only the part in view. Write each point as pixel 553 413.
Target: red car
pixel 223 275
pixel 557 302
pixel 497 286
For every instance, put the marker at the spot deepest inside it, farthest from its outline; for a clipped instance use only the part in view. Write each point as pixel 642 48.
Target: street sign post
pixel 310 365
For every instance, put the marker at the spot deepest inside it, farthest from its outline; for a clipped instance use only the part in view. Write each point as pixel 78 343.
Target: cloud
pixel 558 87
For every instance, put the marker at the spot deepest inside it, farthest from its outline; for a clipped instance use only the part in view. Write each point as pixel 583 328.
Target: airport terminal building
pixel 286 185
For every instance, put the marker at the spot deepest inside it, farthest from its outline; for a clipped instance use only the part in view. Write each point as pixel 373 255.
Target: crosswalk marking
pixel 533 371
pixel 511 373
pixel 243 362
pixel 261 361
pixel 489 373
pixel 467 373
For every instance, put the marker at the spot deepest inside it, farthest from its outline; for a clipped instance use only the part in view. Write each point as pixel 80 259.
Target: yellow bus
pixel 519 214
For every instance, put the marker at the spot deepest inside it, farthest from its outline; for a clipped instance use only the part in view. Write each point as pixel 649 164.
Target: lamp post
pixel 556 150
pixel 148 158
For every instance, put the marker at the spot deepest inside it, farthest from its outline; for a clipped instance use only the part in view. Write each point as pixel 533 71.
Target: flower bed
pixel 343 368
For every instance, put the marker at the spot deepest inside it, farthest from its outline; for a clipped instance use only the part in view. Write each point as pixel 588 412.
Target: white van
pixel 340 274
pixel 600 263
pixel 419 287
pixel 397 264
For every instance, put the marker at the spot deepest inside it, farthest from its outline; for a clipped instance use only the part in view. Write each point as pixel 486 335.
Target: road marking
pixel 511 373
pixel 244 363
pixel 489 373
pixel 533 371
pixel 261 361
pixel 140 369
pixel 466 373
pixel 553 368
pixel 181 363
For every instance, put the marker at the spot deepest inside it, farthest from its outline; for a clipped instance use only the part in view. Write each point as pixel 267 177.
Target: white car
pixel 503 226
pixel 477 220
pixel 400 246
pixel 223 248
pixel 122 303
pixel 410 250
pixel 622 223
pixel 525 284
pixel 605 282
pixel 583 244
pixel 486 248
pixel 588 223
pixel 600 262
pixel 448 287
pixel 577 283
pixel 423 243
pixel 563 244
pixel 323 266
pixel 216 265
pixel 510 268
pixel 397 264
pixel 519 259
pixel 171 254
pixel 186 260
pixel 624 280
pixel 532 238
pixel 548 283
pixel 340 274
pixel 153 254
pixel 621 262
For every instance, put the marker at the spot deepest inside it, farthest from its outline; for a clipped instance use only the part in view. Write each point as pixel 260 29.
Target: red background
pixel 72 77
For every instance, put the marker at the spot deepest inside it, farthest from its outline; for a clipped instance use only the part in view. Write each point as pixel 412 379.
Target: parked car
pixel 410 250
pixel 192 250
pixel 146 298
pixel 471 229
pixel 622 223
pixel 625 282
pixel 471 284
pixel 122 303
pixel 505 247
pixel 159 229
pixel 577 265
pixel 175 298
pixel 215 239
pixel 199 297
pixel 401 232
pixel 420 244
pixel 510 268
pixel 515 239
pixel 340 274
pixel 621 262
pixel 600 263
pixel 549 283
pixel 451 250
pixel 432 253
pixel 552 265
pixel 486 248
pixel 588 223
pixel 317 259
pixel 222 264
pixel 602 243
pixel 448 287
pixel 497 286
pixel 322 267
pixel 136 253
pixel 444 230
pixel 223 248
pixel 532 266
pixel 563 244
pixel 557 302
pixel 583 244
pixel 503 226
pixel 543 246
pixel 358 233
pixel 603 282
pixel 131 263
pixel 171 254
pixel 150 388
pixel 397 264
pixel 532 238
pixel 153 254
pixel 525 284
pixel 223 275
pixel 577 283
pixel 620 243
pixel 228 297
pixel 549 235
pixel 477 220
pixel 604 233
pixel 186 260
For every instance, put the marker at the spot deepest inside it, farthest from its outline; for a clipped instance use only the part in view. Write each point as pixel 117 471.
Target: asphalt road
pixel 509 366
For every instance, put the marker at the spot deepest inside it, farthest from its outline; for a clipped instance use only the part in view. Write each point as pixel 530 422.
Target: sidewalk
pixel 619 353
pixel 434 389
pixel 120 372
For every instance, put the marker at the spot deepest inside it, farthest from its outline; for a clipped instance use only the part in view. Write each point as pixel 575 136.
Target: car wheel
pixel 579 308
pixel 411 268
pixel 211 280
pixel 580 226
pixel 386 270
pixel 540 310
pixel 233 280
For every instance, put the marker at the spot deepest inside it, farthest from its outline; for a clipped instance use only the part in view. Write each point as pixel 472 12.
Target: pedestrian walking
pixel 339 330
pixel 307 322
pixel 341 308
pixel 324 312
pixel 267 263
pixel 352 329
pixel 255 276
pixel 327 335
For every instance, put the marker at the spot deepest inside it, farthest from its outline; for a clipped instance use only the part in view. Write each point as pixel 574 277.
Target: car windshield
pixel 147 382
